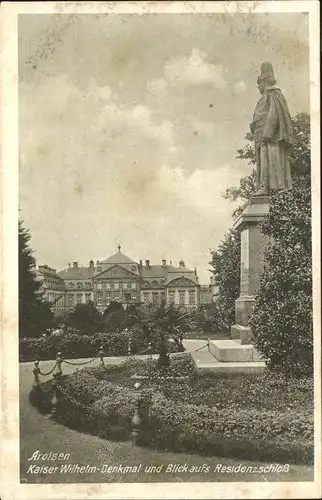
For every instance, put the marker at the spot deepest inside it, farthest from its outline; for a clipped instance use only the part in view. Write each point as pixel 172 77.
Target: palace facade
pixel 121 279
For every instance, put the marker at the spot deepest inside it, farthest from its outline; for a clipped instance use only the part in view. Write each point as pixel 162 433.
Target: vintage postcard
pixel 160 258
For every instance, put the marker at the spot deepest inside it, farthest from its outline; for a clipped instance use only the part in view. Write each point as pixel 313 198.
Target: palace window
pixel 79 285
pixel 133 296
pixel 155 297
pixel 79 298
pixel 181 297
pixel 146 297
pixel 133 286
pixel 172 297
pixel 70 299
pixel 99 286
pixel 87 297
pixel 192 297
pixel 108 286
pixel 124 286
pixel 116 286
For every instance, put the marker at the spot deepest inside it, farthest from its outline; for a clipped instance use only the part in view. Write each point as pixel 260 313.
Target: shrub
pixel 282 316
pixel 246 433
pixel 73 345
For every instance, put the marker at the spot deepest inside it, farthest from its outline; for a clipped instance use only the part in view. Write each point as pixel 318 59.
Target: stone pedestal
pixel 251 264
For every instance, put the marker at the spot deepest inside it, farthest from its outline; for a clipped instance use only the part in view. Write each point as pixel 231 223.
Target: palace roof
pixel 118 258
pixel 74 273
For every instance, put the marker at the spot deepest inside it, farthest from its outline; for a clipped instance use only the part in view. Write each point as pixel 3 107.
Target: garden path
pixel 39 432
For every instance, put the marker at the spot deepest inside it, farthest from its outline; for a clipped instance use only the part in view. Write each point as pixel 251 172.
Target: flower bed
pixel 257 429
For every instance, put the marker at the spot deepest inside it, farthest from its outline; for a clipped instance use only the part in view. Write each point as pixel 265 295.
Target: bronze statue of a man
pixel 272 131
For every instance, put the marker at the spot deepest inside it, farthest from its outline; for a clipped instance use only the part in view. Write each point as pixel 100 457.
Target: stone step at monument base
pixel 206 362
pixel 234 367
pixel 228 351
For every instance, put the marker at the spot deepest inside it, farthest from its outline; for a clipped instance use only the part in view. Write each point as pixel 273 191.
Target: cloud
pixel 201 189
pixel 157 87
pixel 239 87
pixel 194 70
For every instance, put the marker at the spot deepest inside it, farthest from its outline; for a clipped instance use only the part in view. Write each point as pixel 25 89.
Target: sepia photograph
pixel 161 316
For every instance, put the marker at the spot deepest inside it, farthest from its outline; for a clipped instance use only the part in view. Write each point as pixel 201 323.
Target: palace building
pixel 121 279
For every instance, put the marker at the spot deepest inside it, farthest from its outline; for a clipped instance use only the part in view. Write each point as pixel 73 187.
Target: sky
pixel 129 126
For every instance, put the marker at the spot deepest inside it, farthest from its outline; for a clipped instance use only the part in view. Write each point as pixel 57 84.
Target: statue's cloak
pixel 278 126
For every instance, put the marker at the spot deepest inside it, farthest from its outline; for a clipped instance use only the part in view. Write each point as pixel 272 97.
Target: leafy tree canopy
pixel 85 318
pixel 35 315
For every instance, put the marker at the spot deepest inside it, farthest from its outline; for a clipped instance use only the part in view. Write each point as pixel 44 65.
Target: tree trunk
pixel 164 359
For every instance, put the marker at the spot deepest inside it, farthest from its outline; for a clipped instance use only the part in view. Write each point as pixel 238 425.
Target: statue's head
pixel 266 78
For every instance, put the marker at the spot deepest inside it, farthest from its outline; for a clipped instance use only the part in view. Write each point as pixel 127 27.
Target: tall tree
pixel 35 315
pixel 225 265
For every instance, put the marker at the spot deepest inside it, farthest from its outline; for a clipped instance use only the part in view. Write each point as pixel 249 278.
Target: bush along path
pixel 110 461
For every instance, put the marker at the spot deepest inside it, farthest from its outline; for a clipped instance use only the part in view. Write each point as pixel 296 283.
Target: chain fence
pixel 57 373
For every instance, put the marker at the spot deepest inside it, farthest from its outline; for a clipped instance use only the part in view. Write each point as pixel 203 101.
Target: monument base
pixel 252 247
pixel 242 333
pixel 232 351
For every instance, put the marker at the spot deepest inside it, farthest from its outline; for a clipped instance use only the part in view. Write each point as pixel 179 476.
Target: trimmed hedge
pixel 106 409
pixel 73 345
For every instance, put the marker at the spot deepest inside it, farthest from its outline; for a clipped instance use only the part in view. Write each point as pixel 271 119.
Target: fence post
pixel 59 361
pixel 136 420
pixel 149 350
pixel 129 346
pixel 101 355
pixel 36 372
pixel 54 399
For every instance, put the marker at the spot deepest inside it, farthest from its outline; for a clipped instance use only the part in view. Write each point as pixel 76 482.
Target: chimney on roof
pixel 68 264
pixel 147 263
pixel 119 247
pixel 195 271
pixel 181 263
pixel 91 263
pixel 164 262
pixel 140 264
pixel 75 264
pixel 170 262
